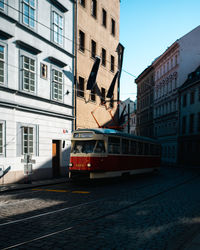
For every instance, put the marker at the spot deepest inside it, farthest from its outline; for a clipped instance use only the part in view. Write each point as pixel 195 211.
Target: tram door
pixel 56 158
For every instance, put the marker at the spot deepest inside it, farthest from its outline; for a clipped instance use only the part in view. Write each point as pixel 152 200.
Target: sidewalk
pixel 17 186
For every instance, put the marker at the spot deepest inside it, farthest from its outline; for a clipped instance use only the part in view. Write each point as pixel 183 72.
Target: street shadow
pixel 122 208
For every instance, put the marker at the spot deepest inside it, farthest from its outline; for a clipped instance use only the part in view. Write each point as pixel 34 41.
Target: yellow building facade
pixel 97 34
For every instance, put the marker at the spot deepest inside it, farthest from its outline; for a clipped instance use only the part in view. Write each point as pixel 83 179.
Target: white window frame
pixel 30 72
pixel 2 139
pixel 57 85
pixel 32 20
pixel 54 26
pixel 4 60
pixel 2 2
pixel 29 140
pixel 20 139
pixel 5 6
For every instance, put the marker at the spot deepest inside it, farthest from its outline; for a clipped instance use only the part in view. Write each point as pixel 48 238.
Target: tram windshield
pixel 86 147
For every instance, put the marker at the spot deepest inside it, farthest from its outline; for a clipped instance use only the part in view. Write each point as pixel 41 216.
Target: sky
pixel 147 29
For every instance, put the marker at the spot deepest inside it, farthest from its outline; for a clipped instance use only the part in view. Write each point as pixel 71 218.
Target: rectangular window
pixel 125 146
pixel 28 9
pixel 81 84
pixel 27 140
pixel 192 97
pixel 185 100
pixel 57 28
pixel 94 8
pixel 113 145
pixel 140 148
pixel 2 64
pixel 133 147
pixel 93 48
pixel 1 4
pixel 112 102
pixel 103 95
pixel 57 85
pixel 93 94
pixel 81 41
pixel 104 18
pixel 43 70
pixel 199 93
pixel 1 138
pixel 103 59
pixel 113 27
pixel 191 123
pixel 175 83
pixel 82 2
pixel 112 63
pixel 184 125
pixel 29 74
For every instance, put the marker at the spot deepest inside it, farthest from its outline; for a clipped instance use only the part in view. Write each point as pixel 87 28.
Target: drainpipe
pixel 75 63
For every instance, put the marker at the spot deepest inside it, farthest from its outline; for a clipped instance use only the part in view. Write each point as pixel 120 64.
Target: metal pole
pixel 75 64
pixel 129 118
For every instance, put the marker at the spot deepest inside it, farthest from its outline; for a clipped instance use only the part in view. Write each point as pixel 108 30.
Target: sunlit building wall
pixel 36 88
pixel 97 35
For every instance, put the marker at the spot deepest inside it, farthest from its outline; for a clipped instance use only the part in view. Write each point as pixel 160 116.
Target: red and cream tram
pixel 104 153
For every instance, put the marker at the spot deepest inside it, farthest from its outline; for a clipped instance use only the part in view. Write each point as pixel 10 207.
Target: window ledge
pixel 57 61
pixel 28 47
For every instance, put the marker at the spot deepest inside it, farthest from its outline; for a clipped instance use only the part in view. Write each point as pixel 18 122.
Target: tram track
pixel 5 204
pixel 94 219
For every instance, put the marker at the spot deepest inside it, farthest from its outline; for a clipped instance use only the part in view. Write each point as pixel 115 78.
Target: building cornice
pixel 38 98
pixel 59 5
pixel 35 34
pixel 144 74
pixel 168 51
pixel 17 106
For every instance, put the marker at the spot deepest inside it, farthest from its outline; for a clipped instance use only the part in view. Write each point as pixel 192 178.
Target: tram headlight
pixel 89 165
pixel 70 164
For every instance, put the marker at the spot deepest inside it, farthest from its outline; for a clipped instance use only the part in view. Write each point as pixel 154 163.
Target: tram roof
pixel 107 131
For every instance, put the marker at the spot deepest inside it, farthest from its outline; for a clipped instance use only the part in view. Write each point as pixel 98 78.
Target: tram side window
pixel 158 150
pixel 100 147
pixel 113 145
pixel 133 147
pixel 140 148
pixel 146 148
pixel 125 146
pixel 152 149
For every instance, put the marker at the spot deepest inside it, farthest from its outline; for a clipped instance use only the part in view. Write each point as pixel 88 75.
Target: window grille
pixel 27 140
pixel 57 85
pixel 28 9
pixel 57 28
pixel 28 74
pixel 2 64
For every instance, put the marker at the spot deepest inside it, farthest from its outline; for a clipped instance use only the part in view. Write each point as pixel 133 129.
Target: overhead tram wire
pixel 75 43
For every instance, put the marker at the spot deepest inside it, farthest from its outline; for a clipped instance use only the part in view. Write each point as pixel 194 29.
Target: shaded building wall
pixel 145 84
pixel 189 130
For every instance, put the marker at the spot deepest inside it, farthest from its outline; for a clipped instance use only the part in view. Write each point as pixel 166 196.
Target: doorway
pixel 56 158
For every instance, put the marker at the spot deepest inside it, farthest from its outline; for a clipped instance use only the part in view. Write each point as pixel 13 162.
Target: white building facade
pixel 171 70
pixel 36 88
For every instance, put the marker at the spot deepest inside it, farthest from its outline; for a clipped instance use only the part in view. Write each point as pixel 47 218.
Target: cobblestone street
pixel 143 212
